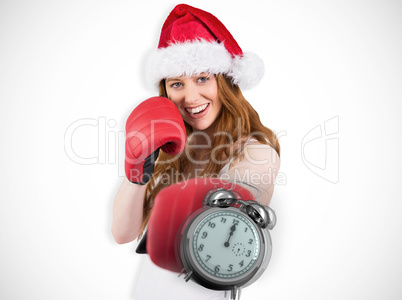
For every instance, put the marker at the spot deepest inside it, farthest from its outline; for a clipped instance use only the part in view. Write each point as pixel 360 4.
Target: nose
pixel 192 94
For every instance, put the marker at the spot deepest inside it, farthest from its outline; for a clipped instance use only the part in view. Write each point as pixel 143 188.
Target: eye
pixel 176 85
pixel 202 79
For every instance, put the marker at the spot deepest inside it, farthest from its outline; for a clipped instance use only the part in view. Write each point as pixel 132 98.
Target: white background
pixel 69 63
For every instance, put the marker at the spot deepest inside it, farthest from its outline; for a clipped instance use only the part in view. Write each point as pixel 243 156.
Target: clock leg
pixel 233 292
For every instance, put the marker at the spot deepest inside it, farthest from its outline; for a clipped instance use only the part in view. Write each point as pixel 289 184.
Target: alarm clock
pixel 226 245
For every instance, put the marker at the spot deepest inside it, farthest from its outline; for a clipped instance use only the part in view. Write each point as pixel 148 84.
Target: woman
pixel 201 76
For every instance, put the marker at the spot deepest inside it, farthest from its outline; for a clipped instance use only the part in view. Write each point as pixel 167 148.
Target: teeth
pixel 197 109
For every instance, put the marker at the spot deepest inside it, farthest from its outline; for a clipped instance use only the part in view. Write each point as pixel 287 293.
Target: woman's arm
pixel 258 165
pixel 127 211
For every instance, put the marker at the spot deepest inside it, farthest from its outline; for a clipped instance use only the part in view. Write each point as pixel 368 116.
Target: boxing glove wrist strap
pixel 144 175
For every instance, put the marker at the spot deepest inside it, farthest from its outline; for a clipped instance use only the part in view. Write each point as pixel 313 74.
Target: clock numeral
pixel 250 241
pixel 208 257
pixel 230 268
pixel 223 220
pixel 201 247
pixel 217 268
pixel 245 230
pixel 236 222
pixel 212 225
pixel 248 253
pixel 204 235
pixel 241 263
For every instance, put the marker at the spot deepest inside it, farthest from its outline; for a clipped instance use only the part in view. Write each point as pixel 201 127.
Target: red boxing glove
pixel 154 124
pixel 172 206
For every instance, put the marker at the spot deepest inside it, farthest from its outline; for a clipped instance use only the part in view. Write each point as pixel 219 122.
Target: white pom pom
pixel 247 70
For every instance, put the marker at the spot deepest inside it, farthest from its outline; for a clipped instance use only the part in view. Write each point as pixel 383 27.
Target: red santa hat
pixel 194 41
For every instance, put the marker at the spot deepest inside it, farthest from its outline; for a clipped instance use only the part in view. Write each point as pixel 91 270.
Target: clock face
pixel 226 244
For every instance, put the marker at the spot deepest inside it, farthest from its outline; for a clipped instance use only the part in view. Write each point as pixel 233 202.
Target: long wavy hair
pixel 237 119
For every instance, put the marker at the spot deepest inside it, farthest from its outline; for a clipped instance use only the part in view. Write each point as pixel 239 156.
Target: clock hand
pixel 232 229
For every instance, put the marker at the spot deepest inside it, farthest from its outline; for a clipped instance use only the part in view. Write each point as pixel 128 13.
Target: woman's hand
pixel 155 123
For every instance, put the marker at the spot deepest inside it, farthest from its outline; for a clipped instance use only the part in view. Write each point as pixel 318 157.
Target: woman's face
pixel 196 98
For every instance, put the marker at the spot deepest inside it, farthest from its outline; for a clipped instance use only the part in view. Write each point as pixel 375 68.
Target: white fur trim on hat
pixel 195 57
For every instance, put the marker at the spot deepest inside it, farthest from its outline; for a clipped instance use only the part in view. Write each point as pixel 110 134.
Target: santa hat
pixel 194 41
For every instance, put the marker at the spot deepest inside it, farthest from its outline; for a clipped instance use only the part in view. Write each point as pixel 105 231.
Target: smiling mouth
pixel 198 109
